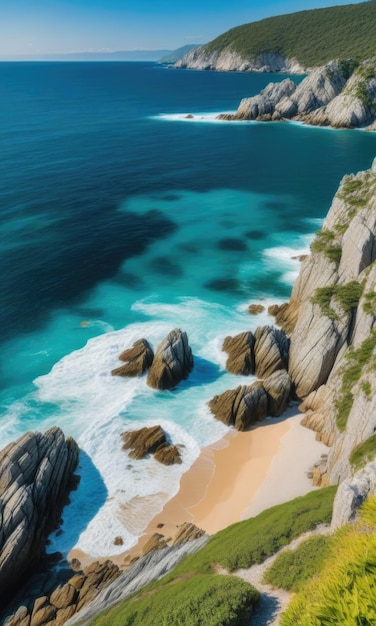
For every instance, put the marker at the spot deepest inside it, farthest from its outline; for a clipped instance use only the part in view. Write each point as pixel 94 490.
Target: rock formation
pixel 332 314
pixel 55 602
pixel 229 61
pixel 271 350
pixel 338 94
pixel 36 473
pixel 172 363
pixel 146 569
pixel 246 405
pixel 241 359
pixel 151 440
pixel 137 359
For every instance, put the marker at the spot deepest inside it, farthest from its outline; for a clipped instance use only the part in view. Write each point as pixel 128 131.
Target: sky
pixel 33 27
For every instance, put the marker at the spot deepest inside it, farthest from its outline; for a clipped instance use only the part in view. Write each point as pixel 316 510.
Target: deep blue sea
pixel 121 219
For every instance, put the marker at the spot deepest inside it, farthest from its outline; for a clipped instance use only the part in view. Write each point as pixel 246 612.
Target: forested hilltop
pixel 295 41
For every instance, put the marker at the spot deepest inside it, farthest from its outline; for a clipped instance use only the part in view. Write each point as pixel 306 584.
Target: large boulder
pixel 151 440
pixel 36 473
pixel 278 388
pixel 143 441
pixel 172 363
pixel 241 359
pixel 137 359
pixel 271 350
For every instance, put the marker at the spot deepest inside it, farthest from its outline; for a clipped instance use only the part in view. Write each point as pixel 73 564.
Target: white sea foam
pixel 96 408
pixel 195 118
pixel 288 260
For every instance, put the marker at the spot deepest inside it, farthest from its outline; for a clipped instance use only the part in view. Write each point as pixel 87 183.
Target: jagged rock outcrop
pixel 172 363
pixel 187 532
pixel 246 405
pixel 146 569
pixel 278 388
pixel 241 359
pixel 151 440
pixel 228 60
pixel 54 605
pixel 36 474
pixel 338 94
pixel 271 350
pixel 137 359
pixel 168 454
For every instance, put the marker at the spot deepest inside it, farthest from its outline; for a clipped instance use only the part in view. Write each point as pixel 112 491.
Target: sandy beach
pixel 238 477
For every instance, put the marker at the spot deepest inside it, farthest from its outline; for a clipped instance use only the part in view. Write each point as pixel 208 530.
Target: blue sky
pixel 31 27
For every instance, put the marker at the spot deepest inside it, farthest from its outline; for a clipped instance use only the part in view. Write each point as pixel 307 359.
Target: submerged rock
pixel 172 363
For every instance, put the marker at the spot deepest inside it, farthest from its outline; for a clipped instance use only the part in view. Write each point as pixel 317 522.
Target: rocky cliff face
pixel 227 60
pixel 35 475
pixel 332 312
pixel 339 94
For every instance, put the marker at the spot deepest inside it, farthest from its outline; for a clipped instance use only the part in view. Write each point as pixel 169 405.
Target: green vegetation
pixel 356 192
pixel 311 37
pixel 357 362
pixel 369 305
pixel 343 593
pixel 324 243
pixel 207 600
pixel 253 540
pixel 292 568
pixel 347 297
pixel 363 453
pixel 193 594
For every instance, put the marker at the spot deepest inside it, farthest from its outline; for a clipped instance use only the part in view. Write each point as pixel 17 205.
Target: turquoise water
pixel 122 219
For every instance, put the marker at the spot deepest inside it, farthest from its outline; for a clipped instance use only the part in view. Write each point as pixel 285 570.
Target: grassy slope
pixel 311 37
pixel 193 594
pixel 342 590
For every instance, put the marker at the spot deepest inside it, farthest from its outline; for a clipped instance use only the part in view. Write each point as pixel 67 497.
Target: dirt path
pixel 273 601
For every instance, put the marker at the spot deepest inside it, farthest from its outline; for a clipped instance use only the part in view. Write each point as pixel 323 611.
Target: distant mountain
pixel 120 55
pixel 175 55
pixel 293 42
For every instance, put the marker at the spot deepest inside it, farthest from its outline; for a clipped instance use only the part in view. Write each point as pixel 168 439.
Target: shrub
pixel 343 594
pixel 356 362
pixel 208 600
pixel 363 453
pixel 292 568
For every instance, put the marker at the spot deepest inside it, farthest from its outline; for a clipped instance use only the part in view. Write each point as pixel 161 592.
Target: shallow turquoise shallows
pixel 121 219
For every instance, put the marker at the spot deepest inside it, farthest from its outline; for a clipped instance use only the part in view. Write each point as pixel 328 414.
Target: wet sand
pixel 236 478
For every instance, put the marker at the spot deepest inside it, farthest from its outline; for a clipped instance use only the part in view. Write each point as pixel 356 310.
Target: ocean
pixel 121 218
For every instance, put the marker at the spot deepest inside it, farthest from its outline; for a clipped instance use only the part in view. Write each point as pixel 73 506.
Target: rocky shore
pixel 323 354
pixel 341 94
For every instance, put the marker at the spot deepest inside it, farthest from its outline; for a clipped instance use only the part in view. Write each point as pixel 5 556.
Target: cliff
pixel 341 94
pixel 291 43
pixel 35 477
pixel 228 60
pixel 331 318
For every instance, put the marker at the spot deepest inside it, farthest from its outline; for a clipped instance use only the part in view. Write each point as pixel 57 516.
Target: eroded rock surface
pixel 246 405
pixel 241 359
pixel 36 473
pixel 339 94
pixel 172 363
pixel 151 440
pixel 137 359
